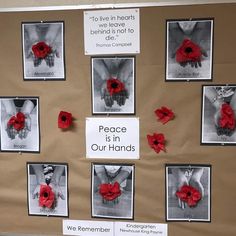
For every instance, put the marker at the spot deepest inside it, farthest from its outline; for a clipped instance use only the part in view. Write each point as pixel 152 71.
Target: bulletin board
pixel 152 91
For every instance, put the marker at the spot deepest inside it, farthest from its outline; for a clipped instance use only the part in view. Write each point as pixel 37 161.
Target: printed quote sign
pixel 111 32
pixel 112 138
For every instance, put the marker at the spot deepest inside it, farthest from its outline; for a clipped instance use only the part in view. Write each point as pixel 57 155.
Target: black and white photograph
pixel 113 85
pixel 218 115
pixel 47 189
pixel 189 49
pixel 20 130
pixel 188 192
pixel 112 191
pixel 43 50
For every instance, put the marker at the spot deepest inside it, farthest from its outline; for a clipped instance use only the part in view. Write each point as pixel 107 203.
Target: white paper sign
pixel 109 228
pixel 140 229
pixel 116 138
pixel 87 228
pixel 111 31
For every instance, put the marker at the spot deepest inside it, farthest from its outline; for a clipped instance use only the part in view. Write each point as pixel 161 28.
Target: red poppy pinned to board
pixel 164 114
pixel 156 142
pixel 64 120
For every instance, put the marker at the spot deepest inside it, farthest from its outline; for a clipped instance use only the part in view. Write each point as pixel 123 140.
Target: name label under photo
pixel 111 31
pixel 116 138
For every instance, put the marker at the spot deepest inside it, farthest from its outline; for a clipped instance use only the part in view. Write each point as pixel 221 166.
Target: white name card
pixel 87 228
pixel 140 229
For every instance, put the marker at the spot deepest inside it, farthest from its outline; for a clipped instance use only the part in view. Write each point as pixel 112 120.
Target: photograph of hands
pixel 189 49
pixel 113 85
pixel 218 114
pixel 20 124
pixel 47 189
pixel 43 50
pixel 188 192
pixel 112 191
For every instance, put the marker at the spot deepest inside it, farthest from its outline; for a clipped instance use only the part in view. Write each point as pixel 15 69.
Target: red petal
pixel 116 188
pixel 181 195
pixel 162 147
pixel 191 202
pixel 196 196
pixel 11 121
pixel 165 119
pixel 160 138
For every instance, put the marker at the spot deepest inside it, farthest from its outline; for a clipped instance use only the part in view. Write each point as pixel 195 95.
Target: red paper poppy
pixel 164 114
pixel 41 50
pixel 114 86
pixel 156 142
pixel 188 51
pixel 227 119
pixel 64 120
pixel 46 196
pixel 189 194
pixel 110 192
pixel 17 122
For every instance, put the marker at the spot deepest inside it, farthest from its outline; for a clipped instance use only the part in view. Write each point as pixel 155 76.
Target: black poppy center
pixel 17 122
pixel 156 142
pixel 41 48
pixel 45 194
pixel 188 49
pixel 189 194
pixel 63 118
pixel 114 85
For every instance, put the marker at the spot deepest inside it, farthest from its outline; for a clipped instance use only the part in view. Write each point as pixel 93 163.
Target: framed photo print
pixel 189 49
pixel 188 192
pixel 47 189
pixel 218 115
pixel 112 191
pixel 43 50
pixel 20 124
pixel 113 85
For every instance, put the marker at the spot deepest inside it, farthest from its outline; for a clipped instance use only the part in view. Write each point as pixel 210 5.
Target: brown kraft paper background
pixel 74 95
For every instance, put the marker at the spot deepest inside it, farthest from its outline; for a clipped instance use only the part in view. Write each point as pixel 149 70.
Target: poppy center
pixel 17 122
pixel 41 48
pixel 63 118
pixel 189 194
pixel 45 194
pixel 114 85
pixel 156 142
pixel 188 49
